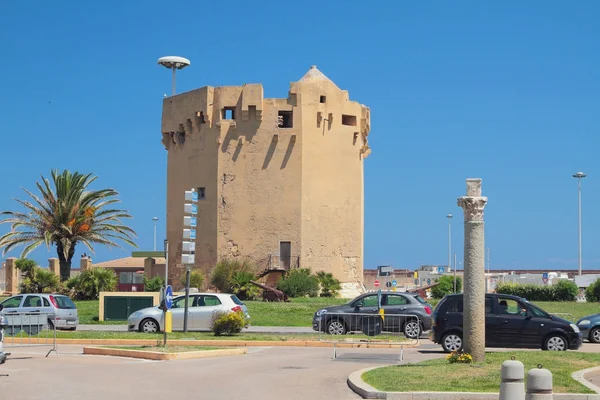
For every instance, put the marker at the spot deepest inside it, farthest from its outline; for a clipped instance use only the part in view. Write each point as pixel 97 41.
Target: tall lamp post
pixel 173 63
pixel 579 176
pixel 154 219
pixel 449 216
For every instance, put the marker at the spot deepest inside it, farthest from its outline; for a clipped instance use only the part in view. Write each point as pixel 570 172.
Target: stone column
pixel 84 264
pixel 11 276
pixel 54 266
pixel 149 266
pixel 474 271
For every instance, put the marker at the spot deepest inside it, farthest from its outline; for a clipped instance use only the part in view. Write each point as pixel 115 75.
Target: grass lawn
pixel 167 348
pixel 425 376
pixel 298 312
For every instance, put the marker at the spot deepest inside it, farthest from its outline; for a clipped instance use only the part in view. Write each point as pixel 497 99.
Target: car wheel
pixel 149 326
pixel 555 342
pixel 595 335
pixel 336 327
pixel 412 329
pixel 452 342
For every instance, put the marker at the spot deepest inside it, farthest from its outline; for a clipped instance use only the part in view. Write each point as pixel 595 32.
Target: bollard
pixel 512 380
pixel 539 384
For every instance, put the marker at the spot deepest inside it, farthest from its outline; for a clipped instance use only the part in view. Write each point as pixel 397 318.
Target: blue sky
pixel 506 91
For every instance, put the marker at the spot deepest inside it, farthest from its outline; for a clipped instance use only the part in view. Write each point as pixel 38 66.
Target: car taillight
pixel 236 309
pixel 428 310
pixel 53 301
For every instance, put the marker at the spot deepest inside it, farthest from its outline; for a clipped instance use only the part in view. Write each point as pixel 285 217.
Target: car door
pixel 178 310
pixel 12 304
pixel 204 310
pixel 513 327
pixel 397 304
pixel 367 304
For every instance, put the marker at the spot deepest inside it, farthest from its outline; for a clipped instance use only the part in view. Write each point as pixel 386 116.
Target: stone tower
pixel 280 181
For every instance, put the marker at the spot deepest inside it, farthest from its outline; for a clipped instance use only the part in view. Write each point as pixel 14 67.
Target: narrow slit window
pixel 229 113
pixel 201 193
pixel 285 119
pixel 349 120
pixel 323 99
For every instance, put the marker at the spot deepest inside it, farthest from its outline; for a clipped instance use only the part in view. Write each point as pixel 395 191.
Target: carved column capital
pixel 472 207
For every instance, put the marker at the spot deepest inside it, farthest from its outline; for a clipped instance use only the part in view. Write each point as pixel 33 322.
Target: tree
pixel 64 216
pixel 330 286
pixel 89 284
pixel 446 286
pixel 592 292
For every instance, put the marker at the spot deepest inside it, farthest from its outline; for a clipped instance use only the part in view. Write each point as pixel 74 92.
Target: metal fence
pixel 30 330
pixel 567 316
pixel 371 329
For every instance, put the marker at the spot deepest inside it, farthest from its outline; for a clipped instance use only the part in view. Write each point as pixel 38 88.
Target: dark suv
pixel 339 320
pixel 510 321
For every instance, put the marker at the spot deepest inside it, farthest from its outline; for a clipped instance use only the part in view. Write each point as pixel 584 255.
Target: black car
pixel 510 321
pixel 339 320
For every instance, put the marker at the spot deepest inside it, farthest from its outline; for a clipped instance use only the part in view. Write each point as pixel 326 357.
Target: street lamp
pixel 154 219
pixel 173 63
pixel 449 216
pixel 579 175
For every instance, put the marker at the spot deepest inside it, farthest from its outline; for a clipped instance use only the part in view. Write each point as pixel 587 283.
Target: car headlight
pixel 575 328
pixel 321 312
pixel 584 322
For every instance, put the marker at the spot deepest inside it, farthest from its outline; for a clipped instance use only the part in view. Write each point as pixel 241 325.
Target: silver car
pixel 64 310
pixel 201 308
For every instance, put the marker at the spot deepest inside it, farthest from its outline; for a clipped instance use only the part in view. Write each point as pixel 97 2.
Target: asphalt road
pixel 264 373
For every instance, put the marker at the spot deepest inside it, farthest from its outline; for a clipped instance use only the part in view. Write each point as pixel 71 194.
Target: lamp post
pixel 579 176
pixel 173 63
pixel 449 216
pixel 154 219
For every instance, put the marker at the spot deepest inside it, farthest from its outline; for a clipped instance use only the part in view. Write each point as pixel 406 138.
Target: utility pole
pixel 154 219
pixel 579 176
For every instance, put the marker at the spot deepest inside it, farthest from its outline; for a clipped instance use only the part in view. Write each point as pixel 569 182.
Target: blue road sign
pixel 440 270
pixel 394 283
pixel 417 281
pixel 545 277
pixel 429 281
pixel 169 297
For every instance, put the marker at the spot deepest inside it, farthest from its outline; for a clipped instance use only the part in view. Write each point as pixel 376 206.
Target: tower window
pixel 201 193
pixel 229 113
pixel 323 99
pixel 349 120
pixel 285 119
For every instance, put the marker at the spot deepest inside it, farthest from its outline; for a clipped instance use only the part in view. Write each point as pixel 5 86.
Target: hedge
pixel 563 290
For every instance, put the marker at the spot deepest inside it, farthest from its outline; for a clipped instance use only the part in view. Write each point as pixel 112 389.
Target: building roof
pixel 127 262
pixel 314 75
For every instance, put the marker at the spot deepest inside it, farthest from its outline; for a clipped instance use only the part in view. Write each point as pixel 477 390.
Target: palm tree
pixel 64 216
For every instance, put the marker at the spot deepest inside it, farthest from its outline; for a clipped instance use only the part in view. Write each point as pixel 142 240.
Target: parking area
pixel 263 373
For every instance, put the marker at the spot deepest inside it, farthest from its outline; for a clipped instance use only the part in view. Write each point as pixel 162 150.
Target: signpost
pixel 545 278
pixel 376 283
pixel 188 246
pixel 169 297
pixel 394 284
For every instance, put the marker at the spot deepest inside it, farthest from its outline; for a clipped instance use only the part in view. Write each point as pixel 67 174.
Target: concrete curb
pixel 158 356
pixel 579 376
pixel 229 343
pixel 367 391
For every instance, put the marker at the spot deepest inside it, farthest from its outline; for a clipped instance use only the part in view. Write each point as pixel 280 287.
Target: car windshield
pixel 65 303
pixel 237 301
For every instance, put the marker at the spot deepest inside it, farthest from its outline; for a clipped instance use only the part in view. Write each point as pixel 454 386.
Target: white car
pixel 64 311
pixel 202 307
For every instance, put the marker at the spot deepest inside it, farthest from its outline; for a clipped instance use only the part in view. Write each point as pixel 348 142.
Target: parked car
pixel 338 320
pixel 590 327
pixel 64 310
pixel 510 322
pixel 201 308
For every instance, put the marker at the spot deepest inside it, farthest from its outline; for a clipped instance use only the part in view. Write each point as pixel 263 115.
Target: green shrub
pixel 153 285
pixel 299 283
pixel 196 279
pixel 89 284
pixel 330 286
pixel 592 292
pixel 563 290
pixel 36 279
pixel 223 272
pixel 446 286
pixel 241 286
pixel 228 323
